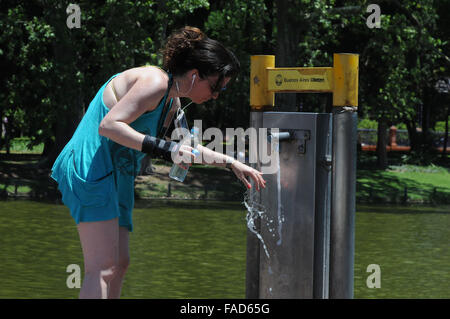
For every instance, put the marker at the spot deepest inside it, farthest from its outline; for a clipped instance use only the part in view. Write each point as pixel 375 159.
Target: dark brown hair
pixel 189 48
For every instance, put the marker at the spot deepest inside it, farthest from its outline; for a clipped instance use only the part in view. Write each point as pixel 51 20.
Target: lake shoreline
pixel 21 178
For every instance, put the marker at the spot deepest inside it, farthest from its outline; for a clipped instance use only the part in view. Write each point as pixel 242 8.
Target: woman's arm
pixel 239 169
pixel 143 96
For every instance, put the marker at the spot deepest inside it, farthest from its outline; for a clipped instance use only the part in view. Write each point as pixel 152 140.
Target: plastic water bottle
pixel 178 173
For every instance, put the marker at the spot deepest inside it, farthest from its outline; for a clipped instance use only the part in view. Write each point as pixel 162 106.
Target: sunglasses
pixel 217 88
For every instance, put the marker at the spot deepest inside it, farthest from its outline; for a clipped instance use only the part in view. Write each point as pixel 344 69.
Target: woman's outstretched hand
pixel 242 171
pixel 184 156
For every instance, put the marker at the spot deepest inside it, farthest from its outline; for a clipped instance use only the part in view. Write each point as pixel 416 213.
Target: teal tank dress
pixel 95 175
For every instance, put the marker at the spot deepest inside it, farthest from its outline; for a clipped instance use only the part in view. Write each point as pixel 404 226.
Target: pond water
pixel 182 249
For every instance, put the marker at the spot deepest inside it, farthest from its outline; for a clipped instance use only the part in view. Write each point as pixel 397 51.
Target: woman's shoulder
pixel 149 81
pixel 152 74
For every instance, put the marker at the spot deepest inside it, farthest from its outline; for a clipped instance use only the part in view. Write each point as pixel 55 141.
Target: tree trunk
pixel 382 159
pixel 68 97
pixel 412 134
pixel 49 145
pixel 268 27
pixel 8 133
pixel 444 149
pixel 427 137
pixel 2 130
pixel 162 8
pixel 286 50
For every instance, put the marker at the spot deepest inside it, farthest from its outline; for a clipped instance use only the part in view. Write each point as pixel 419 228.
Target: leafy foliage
pixel 50 72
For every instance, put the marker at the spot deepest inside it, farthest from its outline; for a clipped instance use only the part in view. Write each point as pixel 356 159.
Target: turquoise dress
pixel 95 175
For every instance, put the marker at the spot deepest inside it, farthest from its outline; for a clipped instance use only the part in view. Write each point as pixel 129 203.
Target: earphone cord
pixel 192 83
pixel 178 112
pixel 185 107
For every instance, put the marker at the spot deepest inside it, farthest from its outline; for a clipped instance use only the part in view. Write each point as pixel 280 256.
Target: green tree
pixel 398 67
pixel 51 72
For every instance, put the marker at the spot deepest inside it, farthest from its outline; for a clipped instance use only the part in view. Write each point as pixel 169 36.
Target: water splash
pixel 257 210
pixel 254 210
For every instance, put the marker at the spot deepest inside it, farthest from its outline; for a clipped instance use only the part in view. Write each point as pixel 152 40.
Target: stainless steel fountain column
pixel 345 101
pixel 296 228
pixel 308 226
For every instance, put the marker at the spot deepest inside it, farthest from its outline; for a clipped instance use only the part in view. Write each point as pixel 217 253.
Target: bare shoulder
pixel 154 74
pixel 152 77
pixel 146 84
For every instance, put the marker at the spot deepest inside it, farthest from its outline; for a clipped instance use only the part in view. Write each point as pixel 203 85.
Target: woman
pixel 96 169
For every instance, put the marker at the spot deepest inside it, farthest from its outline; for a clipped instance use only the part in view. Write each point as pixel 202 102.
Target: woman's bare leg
pixel 100 243
pixel 115 286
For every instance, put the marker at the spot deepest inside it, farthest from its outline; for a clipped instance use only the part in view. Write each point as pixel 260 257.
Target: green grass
pixel 15 189
pixel 404 184
pixel 19 145
pixel 398 184
pixel 371 124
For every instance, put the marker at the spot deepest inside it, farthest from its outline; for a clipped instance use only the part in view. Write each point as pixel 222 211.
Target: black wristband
pixel 157 147
pixel 229 163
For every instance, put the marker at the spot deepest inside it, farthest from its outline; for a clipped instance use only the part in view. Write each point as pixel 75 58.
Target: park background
pixel 50 72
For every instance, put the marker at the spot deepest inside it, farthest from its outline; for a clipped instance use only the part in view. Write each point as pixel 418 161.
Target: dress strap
pixel 166 109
